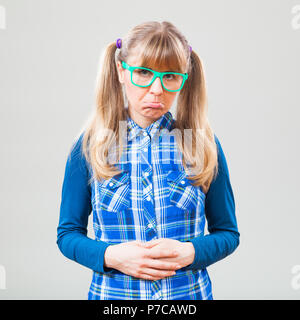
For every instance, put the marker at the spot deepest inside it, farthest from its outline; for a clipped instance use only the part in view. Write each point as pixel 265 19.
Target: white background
pixel 49 53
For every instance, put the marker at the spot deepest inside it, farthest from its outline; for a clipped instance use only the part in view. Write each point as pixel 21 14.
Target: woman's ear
pixel 120 72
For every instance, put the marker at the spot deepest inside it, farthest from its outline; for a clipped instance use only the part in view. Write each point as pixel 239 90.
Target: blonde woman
pixel 150 180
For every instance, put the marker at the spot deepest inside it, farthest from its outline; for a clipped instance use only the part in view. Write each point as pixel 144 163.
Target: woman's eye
pixel 143 72
pixel 169 76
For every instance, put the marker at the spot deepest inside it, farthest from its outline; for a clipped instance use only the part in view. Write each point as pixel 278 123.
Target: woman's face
pixel 138 97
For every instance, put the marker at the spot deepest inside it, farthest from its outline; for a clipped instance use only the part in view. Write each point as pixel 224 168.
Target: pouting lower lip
pixel 154 105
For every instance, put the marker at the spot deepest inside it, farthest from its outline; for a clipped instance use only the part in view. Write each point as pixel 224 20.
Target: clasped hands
pixel 152 260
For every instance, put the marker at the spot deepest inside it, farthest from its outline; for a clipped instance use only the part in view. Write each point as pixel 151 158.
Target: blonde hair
pixel 160 44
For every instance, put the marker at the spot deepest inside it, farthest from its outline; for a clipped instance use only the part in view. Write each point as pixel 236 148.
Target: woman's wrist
pixel 191 252
pixel 108 263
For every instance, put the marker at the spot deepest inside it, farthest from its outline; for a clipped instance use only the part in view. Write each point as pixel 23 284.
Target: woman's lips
pixel 154 105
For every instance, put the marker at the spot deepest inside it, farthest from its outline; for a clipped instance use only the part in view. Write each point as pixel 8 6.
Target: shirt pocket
pixel 115 193
pixel 182 193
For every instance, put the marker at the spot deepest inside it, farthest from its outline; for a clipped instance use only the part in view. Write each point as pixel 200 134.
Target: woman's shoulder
pixel 222 162
pixel 76 145
pixel 76 157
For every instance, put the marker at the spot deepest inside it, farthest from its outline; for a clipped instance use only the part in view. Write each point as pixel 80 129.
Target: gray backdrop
pixel 49 51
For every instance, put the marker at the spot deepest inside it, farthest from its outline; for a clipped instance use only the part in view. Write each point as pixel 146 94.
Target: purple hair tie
pixel 190 48
pixel 119 43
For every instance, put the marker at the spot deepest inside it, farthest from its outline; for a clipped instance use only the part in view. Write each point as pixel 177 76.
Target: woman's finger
pixel 158 273
pixel 160 253
pixel 152 243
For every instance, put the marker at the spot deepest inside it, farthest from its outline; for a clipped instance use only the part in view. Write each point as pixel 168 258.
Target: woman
pixel 148 180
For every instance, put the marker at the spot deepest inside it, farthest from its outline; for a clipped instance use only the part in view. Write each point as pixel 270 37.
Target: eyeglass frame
pixel 156 75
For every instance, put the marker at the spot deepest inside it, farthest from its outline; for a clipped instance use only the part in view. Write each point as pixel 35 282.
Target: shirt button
pixel 149 198
pixel 146 174
pixel 111 184
pixel 145 133
pixel 182 182
pixel 145 149
pixel 150 225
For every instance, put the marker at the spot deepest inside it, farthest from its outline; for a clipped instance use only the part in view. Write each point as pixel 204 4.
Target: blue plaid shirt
pixel 152 198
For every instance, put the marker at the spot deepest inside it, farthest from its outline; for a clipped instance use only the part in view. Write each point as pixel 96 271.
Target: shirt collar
pixel 164 122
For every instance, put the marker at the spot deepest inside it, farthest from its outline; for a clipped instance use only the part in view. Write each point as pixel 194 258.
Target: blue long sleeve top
pixel 75 208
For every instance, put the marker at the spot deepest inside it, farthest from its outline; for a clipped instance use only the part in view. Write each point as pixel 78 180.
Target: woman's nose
pixel 156 86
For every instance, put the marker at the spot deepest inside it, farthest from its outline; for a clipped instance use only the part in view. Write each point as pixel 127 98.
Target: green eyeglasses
pixel 144 77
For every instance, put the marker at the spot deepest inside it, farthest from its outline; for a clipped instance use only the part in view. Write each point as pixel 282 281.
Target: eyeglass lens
pixel 144 77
